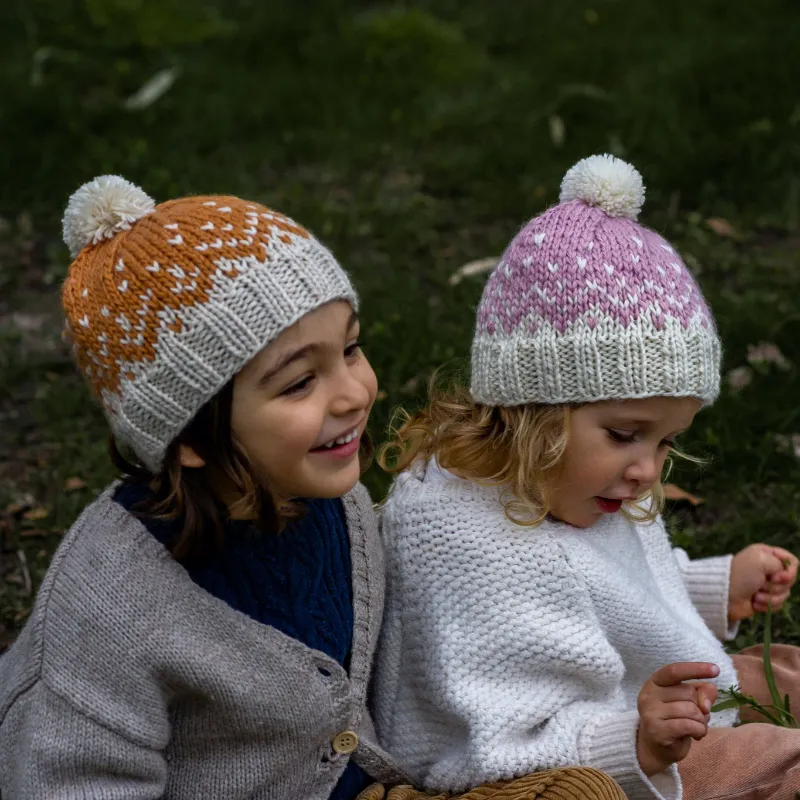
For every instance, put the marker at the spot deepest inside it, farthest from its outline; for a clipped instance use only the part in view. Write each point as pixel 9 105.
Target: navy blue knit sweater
pixel 298 581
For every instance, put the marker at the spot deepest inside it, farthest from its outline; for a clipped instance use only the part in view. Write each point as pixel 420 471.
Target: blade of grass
pixel 777 700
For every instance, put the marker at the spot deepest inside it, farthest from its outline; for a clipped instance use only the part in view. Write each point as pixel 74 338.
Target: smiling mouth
pixel 339 442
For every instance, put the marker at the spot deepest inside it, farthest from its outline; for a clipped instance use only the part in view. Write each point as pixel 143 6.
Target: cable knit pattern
pixel 129 680
pixel 507 650
pixel 586 304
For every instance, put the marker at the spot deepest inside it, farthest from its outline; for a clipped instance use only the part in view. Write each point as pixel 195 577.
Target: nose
pixel 350 394
pixel 645 470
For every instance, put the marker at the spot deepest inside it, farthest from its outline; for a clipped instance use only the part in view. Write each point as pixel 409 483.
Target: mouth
pixel 342 446
pixel 608 505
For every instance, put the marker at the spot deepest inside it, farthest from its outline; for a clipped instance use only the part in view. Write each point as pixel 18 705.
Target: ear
pixel 190 458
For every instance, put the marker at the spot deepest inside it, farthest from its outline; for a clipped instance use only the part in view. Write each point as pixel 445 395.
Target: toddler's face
pixel 311 388
pixel 616 452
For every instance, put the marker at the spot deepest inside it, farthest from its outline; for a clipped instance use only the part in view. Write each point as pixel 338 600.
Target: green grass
pixel 411 137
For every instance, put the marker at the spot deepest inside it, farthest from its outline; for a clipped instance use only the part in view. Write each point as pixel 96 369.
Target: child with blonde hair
pixel 537 615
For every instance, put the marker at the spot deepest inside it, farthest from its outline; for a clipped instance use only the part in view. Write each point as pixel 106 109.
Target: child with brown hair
pixel 536 614
pixel 206 628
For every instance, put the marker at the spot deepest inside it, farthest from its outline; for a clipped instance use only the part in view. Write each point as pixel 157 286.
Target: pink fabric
pixel 575 262
pixel 756 761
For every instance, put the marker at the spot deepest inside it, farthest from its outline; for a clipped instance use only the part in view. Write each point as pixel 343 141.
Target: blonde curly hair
pixel 519 448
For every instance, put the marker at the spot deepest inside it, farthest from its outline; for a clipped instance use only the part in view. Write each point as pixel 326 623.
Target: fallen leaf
pixel 381 395
pixel 739 378
pixel 152 90
pixel 557 130
pixel 36 514
pixel 722 227
pixel 32 533
pixel 18 506
pixel 767 353
pixel 474 268
pixel 74 484
pixel 673 492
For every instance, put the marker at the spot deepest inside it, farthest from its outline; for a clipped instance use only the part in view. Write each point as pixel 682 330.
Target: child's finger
pixel 706 696
pixel 672 674
pixel 761 602
pixel 789 562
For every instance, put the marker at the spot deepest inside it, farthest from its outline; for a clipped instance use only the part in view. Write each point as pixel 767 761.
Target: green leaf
pixel 724 705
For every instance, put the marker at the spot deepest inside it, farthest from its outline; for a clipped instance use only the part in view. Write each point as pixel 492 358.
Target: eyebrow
pixel 302 352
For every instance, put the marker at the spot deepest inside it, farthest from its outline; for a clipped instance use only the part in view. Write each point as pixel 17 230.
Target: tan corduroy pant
pixel 570 783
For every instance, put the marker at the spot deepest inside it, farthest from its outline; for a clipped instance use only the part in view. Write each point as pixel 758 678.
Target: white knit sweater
pixel 507 649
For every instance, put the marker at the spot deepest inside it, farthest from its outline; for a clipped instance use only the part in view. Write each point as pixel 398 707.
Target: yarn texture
pixel 131 681
pixel 506 650
pixel 165 304
pixel 588 305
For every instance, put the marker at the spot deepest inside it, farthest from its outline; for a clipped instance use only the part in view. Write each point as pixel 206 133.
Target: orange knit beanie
pixel 166 303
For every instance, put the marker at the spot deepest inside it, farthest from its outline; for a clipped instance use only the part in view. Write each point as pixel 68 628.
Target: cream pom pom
pixel 102 208
pixel 607 182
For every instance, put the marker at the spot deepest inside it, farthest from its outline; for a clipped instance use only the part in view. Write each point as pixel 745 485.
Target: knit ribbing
pixel 584 306
pixel 707 582
pixel 165 312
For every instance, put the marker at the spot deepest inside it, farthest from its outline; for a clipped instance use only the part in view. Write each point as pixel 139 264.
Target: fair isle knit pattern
pixel 588 305
pixel 506 650
pixel 166 303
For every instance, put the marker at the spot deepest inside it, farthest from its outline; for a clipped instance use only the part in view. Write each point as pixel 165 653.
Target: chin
pixel 585 521
pixel 332 488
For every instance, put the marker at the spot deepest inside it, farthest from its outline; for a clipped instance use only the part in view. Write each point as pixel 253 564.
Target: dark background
pixel 411 138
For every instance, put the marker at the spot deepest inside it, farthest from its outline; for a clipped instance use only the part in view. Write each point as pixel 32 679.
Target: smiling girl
pixel 207 627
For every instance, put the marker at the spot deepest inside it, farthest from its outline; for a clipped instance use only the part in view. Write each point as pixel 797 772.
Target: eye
pixel 621 437
pixel 353 350
pixel 297 388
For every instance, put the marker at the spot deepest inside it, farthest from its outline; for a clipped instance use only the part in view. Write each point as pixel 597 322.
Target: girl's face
pixel 301 405
pixel 616 452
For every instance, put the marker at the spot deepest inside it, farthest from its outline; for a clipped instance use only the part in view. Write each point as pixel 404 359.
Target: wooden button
pixel 345 742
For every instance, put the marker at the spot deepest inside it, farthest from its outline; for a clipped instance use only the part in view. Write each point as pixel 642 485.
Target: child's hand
pixel 672 713
pixel 751 572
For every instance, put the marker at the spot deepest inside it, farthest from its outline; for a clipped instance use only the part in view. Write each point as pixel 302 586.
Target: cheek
pixel 273 428
pixel 366 375
pixel 590 463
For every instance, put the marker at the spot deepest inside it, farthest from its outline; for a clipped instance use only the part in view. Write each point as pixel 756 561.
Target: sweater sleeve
pixel 492 663
pixel 707 581
pixel 49 748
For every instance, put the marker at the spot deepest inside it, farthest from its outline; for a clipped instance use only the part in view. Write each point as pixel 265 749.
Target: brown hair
pixel 191 494
pixel 517 447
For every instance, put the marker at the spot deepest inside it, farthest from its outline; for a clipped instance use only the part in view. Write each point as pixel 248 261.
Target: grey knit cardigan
pixel 130 681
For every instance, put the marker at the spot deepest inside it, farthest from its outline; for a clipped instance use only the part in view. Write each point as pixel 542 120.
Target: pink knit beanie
pixel 587 305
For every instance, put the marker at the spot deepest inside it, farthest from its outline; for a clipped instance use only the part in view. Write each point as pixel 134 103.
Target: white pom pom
pixel 606 182
pixel 102 208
